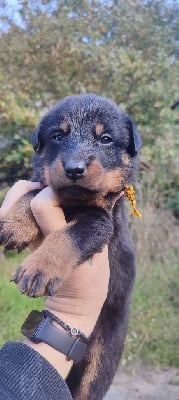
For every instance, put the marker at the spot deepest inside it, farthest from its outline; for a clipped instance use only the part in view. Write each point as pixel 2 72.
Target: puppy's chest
pixel 74 213
pixel 78 212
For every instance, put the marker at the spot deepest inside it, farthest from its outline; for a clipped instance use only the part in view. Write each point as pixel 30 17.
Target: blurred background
pixel 127 50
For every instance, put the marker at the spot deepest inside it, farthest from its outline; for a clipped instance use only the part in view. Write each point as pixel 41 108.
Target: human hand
pixel 82 295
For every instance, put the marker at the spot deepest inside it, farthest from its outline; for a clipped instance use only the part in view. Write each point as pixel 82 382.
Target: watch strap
pixel 74 347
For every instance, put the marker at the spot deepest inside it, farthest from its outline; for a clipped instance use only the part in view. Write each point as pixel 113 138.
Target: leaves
pixel 125 50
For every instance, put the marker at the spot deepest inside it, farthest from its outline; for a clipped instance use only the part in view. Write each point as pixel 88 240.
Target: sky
pixel 11 9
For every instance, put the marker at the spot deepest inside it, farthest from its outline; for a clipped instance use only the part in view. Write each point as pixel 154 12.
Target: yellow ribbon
pixel 130 194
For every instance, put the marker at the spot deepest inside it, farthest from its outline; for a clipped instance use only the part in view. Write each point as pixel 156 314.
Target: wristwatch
pixel 38 328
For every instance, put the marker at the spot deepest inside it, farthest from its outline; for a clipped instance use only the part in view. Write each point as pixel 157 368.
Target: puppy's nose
pixel 75 169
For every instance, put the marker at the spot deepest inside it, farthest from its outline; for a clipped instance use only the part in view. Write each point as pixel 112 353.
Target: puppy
pixel 86 149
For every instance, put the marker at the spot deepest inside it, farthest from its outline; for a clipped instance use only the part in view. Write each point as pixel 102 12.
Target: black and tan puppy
pixel 86 150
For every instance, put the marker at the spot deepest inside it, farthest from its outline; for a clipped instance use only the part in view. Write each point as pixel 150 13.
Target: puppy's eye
pixel 57 137
pixel 106 138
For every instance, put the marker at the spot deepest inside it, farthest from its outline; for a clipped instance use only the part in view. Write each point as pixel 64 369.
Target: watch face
pixel 31 323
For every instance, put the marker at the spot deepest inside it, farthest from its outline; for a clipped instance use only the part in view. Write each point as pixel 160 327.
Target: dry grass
pixel 156 233
pixel 153 327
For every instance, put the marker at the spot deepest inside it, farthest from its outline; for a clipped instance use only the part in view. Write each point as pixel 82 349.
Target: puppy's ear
pixel 135 141
pixel 36 139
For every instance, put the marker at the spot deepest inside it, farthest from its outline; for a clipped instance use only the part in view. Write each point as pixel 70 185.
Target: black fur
pixel 96 227
pixel 113 320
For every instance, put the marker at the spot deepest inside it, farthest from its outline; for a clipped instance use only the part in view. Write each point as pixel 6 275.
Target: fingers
pixel 45 206
pixel 18 189
pixel 47 213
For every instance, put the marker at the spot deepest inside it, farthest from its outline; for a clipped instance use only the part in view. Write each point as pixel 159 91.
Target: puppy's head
pixel 86 145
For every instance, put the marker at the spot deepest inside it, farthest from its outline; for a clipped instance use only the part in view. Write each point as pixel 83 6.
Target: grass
pixel 154 325
pixel 14 307
pixel 152 335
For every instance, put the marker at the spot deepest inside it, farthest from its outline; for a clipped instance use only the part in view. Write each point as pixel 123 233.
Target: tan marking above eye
pixel 64 127
pixel 125 159
pixel 99 129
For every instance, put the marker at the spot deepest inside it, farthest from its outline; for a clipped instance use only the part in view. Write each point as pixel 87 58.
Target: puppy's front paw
pixel 35 282
pixel 36 276
pixel 45 270
pixel 16 233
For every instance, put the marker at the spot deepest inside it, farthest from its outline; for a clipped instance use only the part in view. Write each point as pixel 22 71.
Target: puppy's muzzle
pixel 75 169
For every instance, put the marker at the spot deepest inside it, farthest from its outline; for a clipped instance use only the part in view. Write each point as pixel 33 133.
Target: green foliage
pixel 3 193
pixel 126 50
pixel 14 307
pixel 16 162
